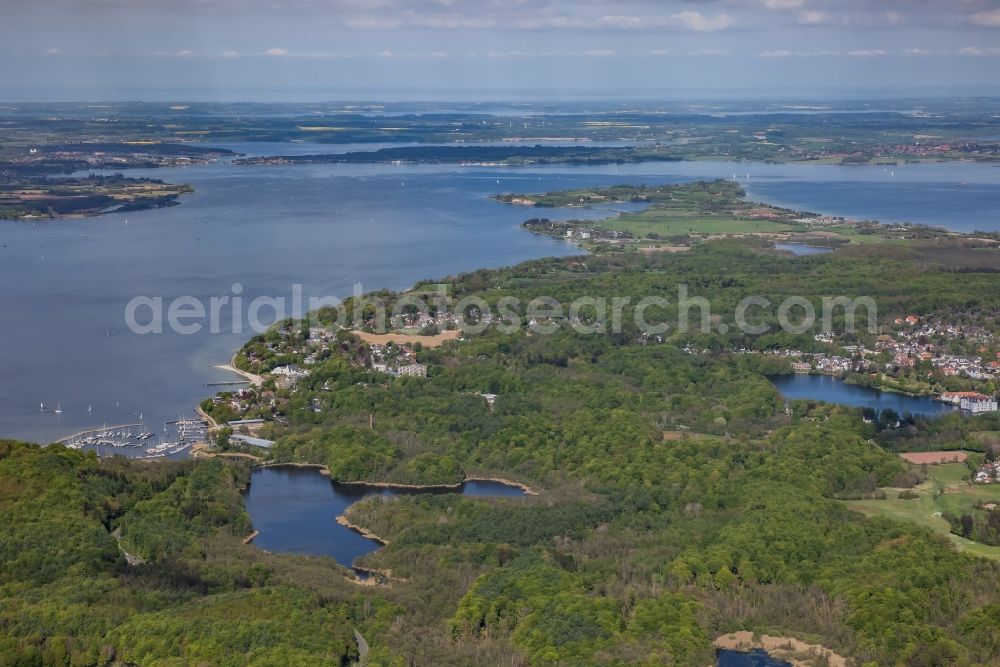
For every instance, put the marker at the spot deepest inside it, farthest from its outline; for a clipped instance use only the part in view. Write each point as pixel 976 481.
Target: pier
pixel 78 438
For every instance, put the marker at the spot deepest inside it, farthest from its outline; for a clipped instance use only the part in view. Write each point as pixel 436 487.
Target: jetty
pixel 119 435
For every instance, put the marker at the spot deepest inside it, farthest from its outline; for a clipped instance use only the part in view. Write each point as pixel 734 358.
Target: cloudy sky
pixel 323 49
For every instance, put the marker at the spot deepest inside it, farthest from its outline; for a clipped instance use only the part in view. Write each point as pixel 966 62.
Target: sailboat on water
pixel 58 410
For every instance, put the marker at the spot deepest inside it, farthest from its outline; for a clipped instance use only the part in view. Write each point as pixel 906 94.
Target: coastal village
pixel 913 351
pixel 250 408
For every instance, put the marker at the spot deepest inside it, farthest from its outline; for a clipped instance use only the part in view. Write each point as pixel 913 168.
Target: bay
pixel 64 285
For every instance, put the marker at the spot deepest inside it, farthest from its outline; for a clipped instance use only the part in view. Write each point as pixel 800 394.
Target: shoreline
pixel 254 379
pixel 319 467
pixel 934 396
pixel 793 650
pixel 212 424
pixel 323 470
pixel 362 531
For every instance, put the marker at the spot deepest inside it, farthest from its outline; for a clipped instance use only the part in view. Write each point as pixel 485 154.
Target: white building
pixel 979 404
pixel 413 370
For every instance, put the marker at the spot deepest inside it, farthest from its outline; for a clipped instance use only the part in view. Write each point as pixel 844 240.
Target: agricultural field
pixel 657 223
pixel 945 490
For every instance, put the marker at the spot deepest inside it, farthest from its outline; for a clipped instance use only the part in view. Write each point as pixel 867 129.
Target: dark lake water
pixel 757 658
pixel 295 510
pixel 802 249
pixel 834 390
pixel 64 285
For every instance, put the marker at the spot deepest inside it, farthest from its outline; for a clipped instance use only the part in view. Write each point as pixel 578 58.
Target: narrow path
pixel 129 558
pixel 362 648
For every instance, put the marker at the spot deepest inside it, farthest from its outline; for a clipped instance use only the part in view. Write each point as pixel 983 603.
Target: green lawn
pixel 957 496
pixel 664 224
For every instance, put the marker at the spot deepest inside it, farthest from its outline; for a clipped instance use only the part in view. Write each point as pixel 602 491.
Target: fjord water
pixel 295 510
pixel 64 285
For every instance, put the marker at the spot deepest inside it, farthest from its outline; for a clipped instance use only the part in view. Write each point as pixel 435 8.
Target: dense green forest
pixel 68 597
pixel 680 497
pixel 677 488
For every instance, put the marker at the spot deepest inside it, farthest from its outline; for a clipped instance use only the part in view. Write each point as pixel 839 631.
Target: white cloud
pixel 979 51
pixel 372 23
pixel 452 23
pixel 699 23
pixel 420 54
pixel 508 54
pixel 685 20
pixel 916 52
pixel 276 52
pixel 866 53
pixel 989 19
pixel 707 52
pixel 54 52
pixel 659 52
pixel 783 4
pixel 183 53
pixel 230 54
pixel 813 17
pixel 589 53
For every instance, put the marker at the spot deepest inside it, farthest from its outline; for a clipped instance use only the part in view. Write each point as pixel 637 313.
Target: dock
pixel 71 440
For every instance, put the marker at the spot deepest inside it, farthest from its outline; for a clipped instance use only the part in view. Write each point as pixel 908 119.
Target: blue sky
pixel 325 49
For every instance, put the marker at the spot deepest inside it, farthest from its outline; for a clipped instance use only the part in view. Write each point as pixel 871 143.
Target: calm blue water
pixel 802 249
pixel 64 285
pixel 834 390
pixel 965 208
pixel 756 658
pixel 295 510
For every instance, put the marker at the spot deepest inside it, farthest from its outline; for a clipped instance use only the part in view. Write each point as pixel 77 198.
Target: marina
pixel 135 441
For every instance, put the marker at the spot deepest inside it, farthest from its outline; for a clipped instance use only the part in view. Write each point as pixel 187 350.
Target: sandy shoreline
pixel 360 530
pixel 255 380
pixel 790 649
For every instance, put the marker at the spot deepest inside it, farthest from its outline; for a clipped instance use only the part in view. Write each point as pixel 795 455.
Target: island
pixel 36 181
pixel 35 198
pixel 682 214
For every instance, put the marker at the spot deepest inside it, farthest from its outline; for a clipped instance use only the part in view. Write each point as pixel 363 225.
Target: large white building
pixel 978 404
pixel 413 370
